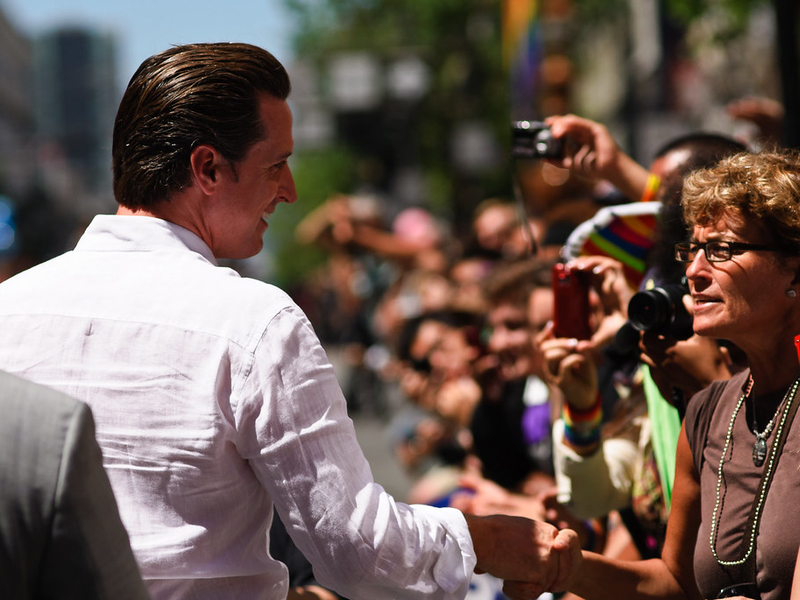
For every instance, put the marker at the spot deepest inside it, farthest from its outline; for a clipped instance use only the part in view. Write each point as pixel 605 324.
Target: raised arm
pixel 596 154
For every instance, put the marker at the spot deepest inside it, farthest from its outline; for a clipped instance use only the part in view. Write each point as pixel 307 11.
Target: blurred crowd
pixel 452 340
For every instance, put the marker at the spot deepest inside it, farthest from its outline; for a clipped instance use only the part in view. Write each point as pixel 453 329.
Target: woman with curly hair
pixel 729 533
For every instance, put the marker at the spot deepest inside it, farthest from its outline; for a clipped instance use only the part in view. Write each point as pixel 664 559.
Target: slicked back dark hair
pixel 183 97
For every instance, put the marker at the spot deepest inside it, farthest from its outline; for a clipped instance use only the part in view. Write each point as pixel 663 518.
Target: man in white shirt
pixel 212 395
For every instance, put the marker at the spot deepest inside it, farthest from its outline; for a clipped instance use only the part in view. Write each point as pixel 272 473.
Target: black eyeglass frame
pixel 731 248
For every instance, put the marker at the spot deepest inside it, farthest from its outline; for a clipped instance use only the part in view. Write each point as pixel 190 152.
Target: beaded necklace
pixel 788 399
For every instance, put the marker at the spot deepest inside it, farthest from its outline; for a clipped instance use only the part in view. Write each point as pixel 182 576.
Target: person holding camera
pixel 632 468
pixel 737 456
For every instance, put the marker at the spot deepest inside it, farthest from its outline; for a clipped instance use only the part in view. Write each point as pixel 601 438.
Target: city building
pixel 17 151
pixel 76 97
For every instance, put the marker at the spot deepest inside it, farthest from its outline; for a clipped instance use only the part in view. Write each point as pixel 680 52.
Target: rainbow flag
pixel 522 54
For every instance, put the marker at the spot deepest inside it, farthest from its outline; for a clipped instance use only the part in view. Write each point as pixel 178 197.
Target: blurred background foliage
pixel 460 44
pixel 410 102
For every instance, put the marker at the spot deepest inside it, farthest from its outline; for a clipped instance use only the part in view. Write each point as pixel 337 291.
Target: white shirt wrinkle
pixel 203 382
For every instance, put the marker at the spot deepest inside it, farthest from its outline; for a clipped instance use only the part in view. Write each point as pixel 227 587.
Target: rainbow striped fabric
pixel 624 232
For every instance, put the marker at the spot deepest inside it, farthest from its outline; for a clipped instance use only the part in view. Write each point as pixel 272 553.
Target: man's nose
pixel 288 190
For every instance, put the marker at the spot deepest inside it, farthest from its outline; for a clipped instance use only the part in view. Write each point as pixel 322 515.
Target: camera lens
pixel 650 310
pixel 661 311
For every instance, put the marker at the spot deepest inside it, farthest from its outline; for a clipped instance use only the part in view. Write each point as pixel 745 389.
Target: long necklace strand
pixel 715 515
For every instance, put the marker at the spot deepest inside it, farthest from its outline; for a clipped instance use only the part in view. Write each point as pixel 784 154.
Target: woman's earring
pixel 791 293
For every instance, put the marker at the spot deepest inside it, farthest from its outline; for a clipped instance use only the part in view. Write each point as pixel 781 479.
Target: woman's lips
pixel 701 300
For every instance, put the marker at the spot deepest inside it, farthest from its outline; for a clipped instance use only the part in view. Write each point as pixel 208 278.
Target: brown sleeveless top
pixel 710 412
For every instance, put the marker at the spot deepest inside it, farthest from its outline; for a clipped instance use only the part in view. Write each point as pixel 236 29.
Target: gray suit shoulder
pixel 60 530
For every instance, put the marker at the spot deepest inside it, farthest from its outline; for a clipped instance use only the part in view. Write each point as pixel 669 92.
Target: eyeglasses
pixel 716 251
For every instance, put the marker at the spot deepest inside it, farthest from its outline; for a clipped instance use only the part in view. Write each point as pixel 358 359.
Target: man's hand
pixel 520 550
pixel 310 592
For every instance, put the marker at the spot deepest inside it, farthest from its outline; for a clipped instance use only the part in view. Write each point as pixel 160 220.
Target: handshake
pixel 531 556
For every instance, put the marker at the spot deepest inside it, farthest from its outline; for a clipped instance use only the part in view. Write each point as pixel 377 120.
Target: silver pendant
pixel 759 451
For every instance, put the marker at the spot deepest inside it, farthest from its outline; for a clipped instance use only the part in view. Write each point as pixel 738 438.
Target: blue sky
pixel 145 27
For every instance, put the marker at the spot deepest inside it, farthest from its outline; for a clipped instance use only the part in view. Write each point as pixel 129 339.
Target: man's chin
pixel 241 253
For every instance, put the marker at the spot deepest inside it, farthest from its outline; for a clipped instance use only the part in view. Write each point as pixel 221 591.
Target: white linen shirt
pixel 213 399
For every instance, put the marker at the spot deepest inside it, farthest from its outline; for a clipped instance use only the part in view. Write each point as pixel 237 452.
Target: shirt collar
pixel 134 233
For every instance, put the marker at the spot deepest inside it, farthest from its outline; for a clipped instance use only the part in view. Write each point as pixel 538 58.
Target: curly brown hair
pixel 763 187
pixel 180 98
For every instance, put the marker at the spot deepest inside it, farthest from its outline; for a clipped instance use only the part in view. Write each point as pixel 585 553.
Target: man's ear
pixel 205 163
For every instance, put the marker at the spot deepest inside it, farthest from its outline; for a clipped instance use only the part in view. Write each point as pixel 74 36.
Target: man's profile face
pixel 254 186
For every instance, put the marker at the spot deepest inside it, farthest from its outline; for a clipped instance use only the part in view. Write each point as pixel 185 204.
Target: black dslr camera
pixel 532 139
pixel 661 311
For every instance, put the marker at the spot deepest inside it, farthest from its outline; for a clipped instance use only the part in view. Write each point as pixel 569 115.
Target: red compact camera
pixel 571 303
